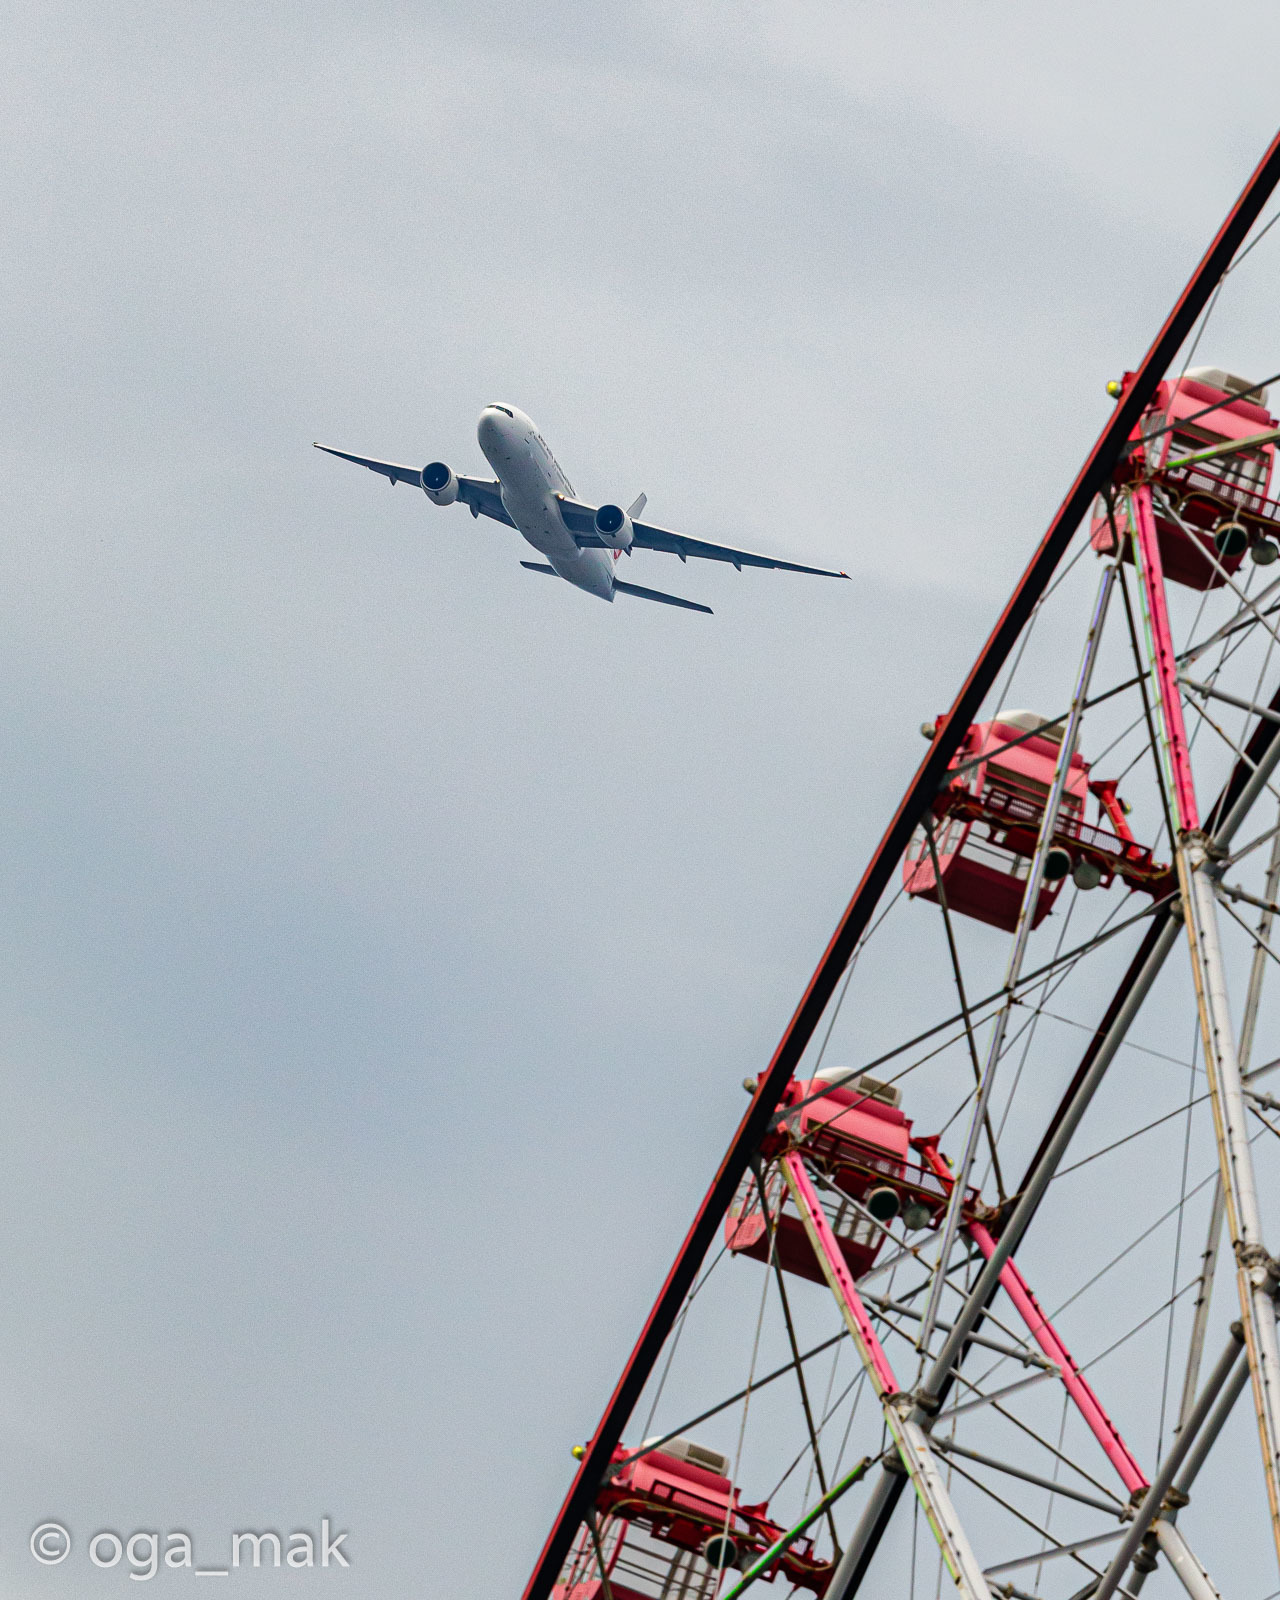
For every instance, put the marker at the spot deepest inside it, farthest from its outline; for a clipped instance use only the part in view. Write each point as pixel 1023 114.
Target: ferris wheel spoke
pixel 949 1447
pixel 1255 938
pixel 1023 1427
pixel 1013 1351
pixel 958 976
pixel 1212 693
pixel 1027 917
pixel 994 1397
pixel 731 1400
pixel 796 1362
pixel 1204 1298
pixel 1054 1549
pixel 1231 744
pixel 1234 625
pixel 1219 571
pixel 1058 966
pixel 1050 1547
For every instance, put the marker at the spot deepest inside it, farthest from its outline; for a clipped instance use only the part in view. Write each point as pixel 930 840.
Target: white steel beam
pixel 1257 1273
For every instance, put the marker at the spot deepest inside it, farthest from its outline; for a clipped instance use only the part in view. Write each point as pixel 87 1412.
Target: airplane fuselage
pixel 531 479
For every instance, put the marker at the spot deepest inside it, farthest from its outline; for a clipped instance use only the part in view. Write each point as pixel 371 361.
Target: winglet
pixel 637 506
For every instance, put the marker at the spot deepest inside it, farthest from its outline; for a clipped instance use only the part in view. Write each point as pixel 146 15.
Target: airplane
pixel 582 543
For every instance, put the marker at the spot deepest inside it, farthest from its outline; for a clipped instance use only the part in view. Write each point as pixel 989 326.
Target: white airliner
pixel 531 494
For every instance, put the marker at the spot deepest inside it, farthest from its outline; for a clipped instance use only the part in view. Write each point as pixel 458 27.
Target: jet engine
pixel 439 484
pixel 613 528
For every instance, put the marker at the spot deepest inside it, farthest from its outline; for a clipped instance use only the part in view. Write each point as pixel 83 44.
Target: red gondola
pixel 857 1134
pixel 669 1524
pixel 1206 511
pixel 987 820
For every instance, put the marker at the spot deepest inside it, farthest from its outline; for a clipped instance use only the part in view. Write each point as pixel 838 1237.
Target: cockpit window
pixel 503 410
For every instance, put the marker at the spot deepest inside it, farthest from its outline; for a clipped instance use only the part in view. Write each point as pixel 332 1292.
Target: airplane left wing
pixel 581 522
pixel 482 496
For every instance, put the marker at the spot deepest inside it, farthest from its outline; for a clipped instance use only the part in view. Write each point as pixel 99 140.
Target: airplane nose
pixel 489 427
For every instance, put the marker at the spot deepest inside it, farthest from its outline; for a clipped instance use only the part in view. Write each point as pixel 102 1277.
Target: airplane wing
pixel 481 495
pixel 580 521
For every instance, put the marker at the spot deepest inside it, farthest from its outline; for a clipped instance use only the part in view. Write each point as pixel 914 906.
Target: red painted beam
pixel 920 792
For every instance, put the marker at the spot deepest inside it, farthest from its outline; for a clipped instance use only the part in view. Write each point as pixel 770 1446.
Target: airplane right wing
pixel 580 521
pixel 482 496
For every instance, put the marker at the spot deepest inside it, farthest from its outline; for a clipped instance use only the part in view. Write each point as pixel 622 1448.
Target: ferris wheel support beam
pixel 1217 1210
pixel 1152 1503
pixel 1208 1435
pixel 1167 1536
pixel 1186 1565
pixel 915 1450
pixel 1095 472
pixel 1257 1273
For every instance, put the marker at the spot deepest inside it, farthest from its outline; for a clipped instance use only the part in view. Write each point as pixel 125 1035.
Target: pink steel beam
pixel 1165 661
pixel 915 1450
pixel 1047 1337
pixel 836 1269
pixel 1095 472
pixel 1050 1341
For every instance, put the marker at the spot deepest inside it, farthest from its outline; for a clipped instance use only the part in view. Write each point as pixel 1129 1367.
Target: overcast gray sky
pixel 385 931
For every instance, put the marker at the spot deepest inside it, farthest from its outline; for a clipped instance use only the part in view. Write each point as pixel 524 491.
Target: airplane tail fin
pixel 637 505
pixel 657 594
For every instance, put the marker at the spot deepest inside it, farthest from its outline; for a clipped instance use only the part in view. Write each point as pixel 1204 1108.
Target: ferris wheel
pixel 983 1294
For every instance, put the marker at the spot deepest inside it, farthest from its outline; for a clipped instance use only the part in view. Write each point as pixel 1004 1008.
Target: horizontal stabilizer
pixel 630 588
pixel 657 594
